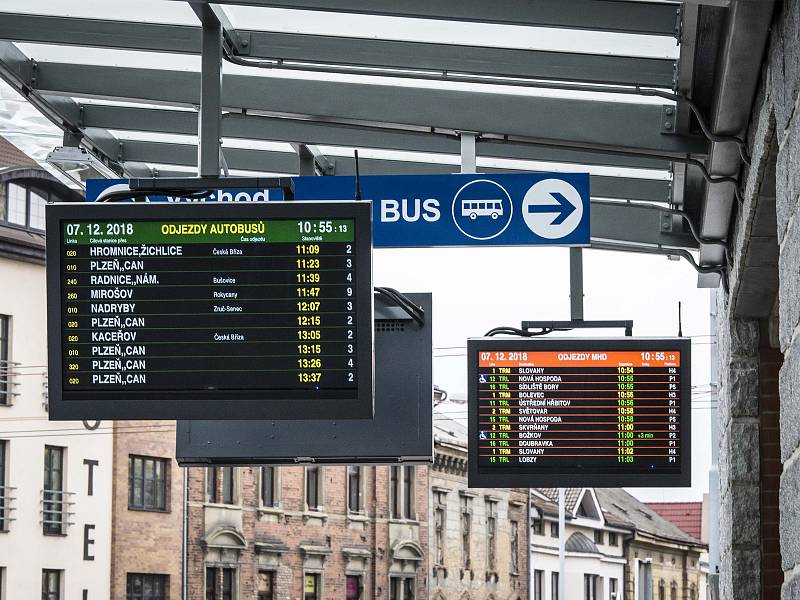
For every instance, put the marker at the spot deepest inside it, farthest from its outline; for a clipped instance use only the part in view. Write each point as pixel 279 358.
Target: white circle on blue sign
pixel 552 208
pixel 482 209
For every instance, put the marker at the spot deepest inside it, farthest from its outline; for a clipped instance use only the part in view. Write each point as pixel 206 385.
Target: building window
pixel 51 584
pixel 590 587
pixel 23 206
pixel 612 588
pixel 408 488
pixel 662 594
pixel 353 587
pixel 269 486
pixel 514 547
pixel 311 586
pixel 17 204
pixel 354 504
pixel 554 585
pixel 599 537
pixel 5 364
pixel 144 586
pixel 538 585
pixel 466 532
pixel 5 492
pixel 538 526
pixel 613 539
pixel 402 588
pixel 53 497
pixel 439 527
pixel 553 529
pixel 673 591
pixel 491 535
pixel 313 488
pixel 401 492
pixel 693 592
pixel 266 585
pixel 221 485
pixel 220 584
pixel 147 483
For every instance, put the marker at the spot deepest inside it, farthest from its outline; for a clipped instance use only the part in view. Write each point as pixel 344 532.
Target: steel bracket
pixel 665 219
pixel 240 40
pixel 668 117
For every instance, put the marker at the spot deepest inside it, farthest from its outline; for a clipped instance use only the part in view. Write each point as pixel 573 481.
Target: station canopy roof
pixel 545 85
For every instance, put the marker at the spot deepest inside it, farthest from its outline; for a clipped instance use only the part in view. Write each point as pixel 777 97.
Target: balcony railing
pixel 55 511
pixel 9 383
pixel 7 507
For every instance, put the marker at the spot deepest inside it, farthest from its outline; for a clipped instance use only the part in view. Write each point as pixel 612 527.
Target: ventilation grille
pixel 390 325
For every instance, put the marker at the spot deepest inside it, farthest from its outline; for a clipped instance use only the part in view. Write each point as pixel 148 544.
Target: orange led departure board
pixel 579 412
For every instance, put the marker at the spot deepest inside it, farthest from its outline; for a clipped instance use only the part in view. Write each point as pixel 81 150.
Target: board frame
pixel 522 477
pixel 401 431
pixel 217 405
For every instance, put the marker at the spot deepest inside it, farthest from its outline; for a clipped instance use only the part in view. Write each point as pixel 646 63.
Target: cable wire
pixel 415 312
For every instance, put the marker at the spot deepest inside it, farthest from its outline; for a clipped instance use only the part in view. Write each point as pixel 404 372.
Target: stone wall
pixel 449 579
pixel 746 507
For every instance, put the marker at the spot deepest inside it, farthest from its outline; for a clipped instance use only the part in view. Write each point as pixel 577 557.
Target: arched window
pixel 661 590
pixel 673 591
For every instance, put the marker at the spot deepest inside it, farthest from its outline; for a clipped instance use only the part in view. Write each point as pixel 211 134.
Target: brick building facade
pixel 147 511
pixel 308 532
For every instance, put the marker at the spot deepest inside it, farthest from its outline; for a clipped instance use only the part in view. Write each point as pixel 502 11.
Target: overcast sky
pixel 474 290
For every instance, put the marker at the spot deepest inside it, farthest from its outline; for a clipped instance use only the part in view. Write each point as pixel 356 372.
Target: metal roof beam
pixel 587 124
pixel 650 18
pixel 333 50
pixel 255 127
pixel 270 161
pixel 737 81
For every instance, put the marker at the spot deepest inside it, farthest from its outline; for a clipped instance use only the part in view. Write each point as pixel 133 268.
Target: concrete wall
pixel 608 564
pixel 24 549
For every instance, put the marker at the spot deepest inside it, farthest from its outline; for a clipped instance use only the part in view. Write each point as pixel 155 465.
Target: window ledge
pixel 401 521
pixel 360 517
pixel 314 515
pixel 271 510
pixel 163 511
pixel 217 505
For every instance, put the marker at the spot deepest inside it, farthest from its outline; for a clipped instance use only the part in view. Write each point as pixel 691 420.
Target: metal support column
pixel 468 156
pixel 562 541
pixel 307 160
pixel 576 284
pixel 209 122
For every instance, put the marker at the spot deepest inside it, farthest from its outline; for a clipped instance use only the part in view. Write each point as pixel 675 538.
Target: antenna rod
pixel 358 177
pixel 680 320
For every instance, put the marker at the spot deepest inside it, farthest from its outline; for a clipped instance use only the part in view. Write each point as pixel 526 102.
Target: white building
pixel 595 555
pixel 55 478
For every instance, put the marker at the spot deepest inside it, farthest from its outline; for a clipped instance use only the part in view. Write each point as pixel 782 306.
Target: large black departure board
pixel 201 311
pixel 579 412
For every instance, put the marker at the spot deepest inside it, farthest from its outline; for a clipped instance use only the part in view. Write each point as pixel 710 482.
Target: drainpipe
pixel 185 540
pixel 713 474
